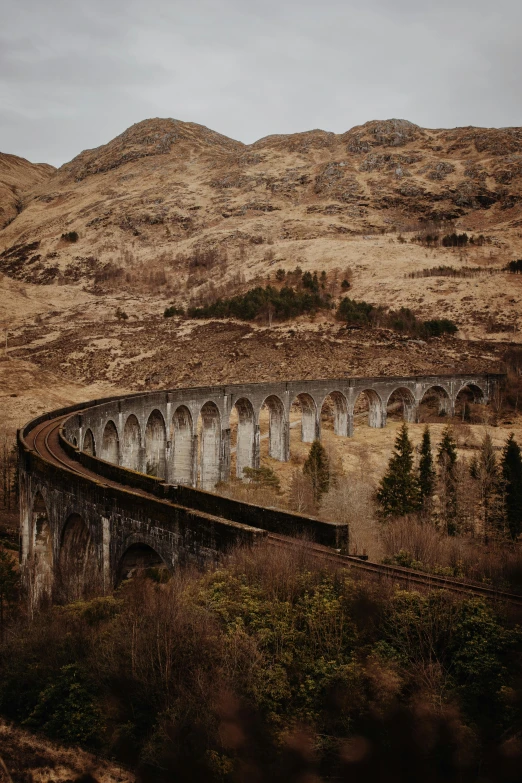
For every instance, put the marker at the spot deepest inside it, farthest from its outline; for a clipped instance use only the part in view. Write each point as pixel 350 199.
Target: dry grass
pixel 499 563
pixel 38 760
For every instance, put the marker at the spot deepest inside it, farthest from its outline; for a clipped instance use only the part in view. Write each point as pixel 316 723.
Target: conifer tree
pixel 399 491
pixel 447 460
pixel 317 468
pixel 490 487
pixel 427 473
pixel 512 475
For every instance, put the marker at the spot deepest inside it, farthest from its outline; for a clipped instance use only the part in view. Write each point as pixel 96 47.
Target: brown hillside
pixel 17 176
pixel 156 198
pixel 171 212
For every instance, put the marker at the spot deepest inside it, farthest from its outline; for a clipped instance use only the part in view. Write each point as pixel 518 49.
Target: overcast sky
pixel 75 74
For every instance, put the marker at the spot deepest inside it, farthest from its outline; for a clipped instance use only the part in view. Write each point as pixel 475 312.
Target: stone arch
pixel 89 444
pixel 277 427
pixel 78 564
pixel 334 408
pixel 369 401
pixel 401 404
pixel 469 394
pixel 131 445
pixel 42 551
pixel 183 446
pixel 245 445
pixel 155 445
pixel 479 395
pixel 136 559
pixel 110 448
pixel 435 401
pixel 308 408
pixel 209 429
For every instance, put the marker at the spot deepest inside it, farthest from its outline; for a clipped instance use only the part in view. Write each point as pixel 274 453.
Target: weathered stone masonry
pixel 81 534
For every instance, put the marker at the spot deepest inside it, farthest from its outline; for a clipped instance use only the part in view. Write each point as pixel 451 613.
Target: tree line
pixel 453 493
pixel 403 320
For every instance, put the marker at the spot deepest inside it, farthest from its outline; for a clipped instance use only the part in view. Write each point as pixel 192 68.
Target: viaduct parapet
pixel 114 484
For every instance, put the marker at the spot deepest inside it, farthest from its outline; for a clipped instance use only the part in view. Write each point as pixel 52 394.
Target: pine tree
pixel 399 491
pixel 512 475
pixel 317 467
pixel 490 488
pixel 447 460
pixel 427 473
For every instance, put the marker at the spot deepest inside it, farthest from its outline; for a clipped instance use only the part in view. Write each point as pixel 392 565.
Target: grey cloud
pixel 74 75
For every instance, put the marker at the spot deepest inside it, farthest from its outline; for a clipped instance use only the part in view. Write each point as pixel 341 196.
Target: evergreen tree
pixel 427 474
pixel 490 488
pixel 317 468
pixel 512 475
pixel 447 460
pixel 399 491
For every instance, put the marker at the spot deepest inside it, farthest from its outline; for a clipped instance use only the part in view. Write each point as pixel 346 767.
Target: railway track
pixel 44 441
pixel 396 573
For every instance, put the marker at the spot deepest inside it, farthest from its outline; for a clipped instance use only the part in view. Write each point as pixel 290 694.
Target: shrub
pixel 515 267
pixel 403 320
pixel 173 310
pixel 263 476
pixel 70 236
pixel 354 313
pixel 67 709
pixel 121 315
pixel 439 326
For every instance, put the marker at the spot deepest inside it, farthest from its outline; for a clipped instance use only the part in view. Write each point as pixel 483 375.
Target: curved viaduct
pixel 111 484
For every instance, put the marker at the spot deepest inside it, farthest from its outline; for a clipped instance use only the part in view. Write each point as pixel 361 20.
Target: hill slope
pixel 180 213
pixel 17 176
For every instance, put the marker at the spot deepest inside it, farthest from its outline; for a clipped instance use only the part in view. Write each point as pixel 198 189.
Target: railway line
pixel 44 440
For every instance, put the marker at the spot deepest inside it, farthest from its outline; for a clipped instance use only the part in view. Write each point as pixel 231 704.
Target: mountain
pixel 17 177
pixel 176 209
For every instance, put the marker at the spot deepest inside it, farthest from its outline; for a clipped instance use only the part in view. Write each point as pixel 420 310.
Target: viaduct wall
pixel 133 484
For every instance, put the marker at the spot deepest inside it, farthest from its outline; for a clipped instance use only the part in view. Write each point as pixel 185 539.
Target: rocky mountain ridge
pixel 17 177
pixel 167 181
pixel 172 212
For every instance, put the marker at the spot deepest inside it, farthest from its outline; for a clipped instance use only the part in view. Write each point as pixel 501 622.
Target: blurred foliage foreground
pixel 271 669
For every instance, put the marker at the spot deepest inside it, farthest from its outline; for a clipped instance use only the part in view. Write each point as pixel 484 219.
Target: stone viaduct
pixel 112 484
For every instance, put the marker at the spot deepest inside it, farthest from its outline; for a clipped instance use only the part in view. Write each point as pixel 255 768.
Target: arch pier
pixel 112 485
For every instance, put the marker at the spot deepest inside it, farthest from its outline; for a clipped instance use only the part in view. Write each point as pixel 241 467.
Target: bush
pixel 67 709
pixel 264 477
pixel 354 313
pixel 173 310
pixel 70 236
pixel 439 326
pixel 515 267
pixel 274 659
pixel 121 315
pixel 403 320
